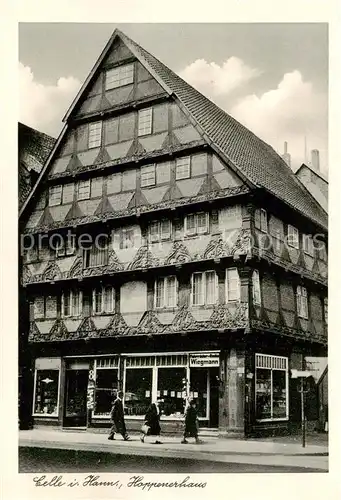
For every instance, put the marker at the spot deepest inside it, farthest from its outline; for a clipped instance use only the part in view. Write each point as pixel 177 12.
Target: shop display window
pixel 46 392
pixel 106 384
pixel 138 391
pixel 170 387
pixel 271 387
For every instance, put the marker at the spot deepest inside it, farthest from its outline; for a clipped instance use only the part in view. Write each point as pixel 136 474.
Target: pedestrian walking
pixel 191 423
pixel 117 419
pixel 151 426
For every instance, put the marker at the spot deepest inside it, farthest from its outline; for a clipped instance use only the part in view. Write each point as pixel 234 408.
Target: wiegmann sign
pixel 204 360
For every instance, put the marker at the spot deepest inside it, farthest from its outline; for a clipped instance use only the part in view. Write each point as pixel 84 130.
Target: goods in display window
pixel 138 390
pixel 46 392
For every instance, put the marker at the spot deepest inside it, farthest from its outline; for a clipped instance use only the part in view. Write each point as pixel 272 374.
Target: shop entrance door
pixel 75 398
pixel 214 397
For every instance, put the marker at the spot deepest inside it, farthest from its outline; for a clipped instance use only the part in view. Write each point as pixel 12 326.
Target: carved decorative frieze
pixel 287 331
pixel 76 270
pixel 165 204
pixel 242 245
pixel 52 272
pixel 114 263
pixel 215 249
pixel 150 324
pixel 143 259
pixel 178 255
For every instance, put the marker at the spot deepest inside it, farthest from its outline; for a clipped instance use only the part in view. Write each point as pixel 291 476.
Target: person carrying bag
pixel 151 426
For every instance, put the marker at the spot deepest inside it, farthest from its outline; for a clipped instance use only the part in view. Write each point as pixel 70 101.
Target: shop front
pixel 79 391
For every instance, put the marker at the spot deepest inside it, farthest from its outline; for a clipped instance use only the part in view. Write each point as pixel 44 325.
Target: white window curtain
pixel 302 302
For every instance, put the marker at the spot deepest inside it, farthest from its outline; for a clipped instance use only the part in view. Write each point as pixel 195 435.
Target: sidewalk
pixel 214 449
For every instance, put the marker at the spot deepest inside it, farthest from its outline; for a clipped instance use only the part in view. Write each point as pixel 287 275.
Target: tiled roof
pixel 34 148
pixel 255 159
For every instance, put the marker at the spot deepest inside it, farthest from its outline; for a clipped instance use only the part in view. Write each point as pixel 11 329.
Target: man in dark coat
pixel 117 419
pixel 152 423
pixel 191 423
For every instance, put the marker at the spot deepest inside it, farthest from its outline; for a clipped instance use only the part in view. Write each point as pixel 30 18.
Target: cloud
pixel 214 80
pixel 289 112
pixel 43 106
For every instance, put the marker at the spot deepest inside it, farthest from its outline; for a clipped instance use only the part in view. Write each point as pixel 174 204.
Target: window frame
pixel 64 250
pixel 287 389
pixel 145 127
pixel 53 415
pixel 196 231
pixel 165 280
pixel 256 288
pixel 302 302
pixel 84 183
pixel 121 80
pixel 94 251
pixel 293 231
pixel 71 293
pixel 60 195
pixel 104 308
pixel 308 244
pixel 143 171
pixel 95 133
pixel 203 293
pixel 123 237
pixel 158 236
pixel 227 288
pixel 188 174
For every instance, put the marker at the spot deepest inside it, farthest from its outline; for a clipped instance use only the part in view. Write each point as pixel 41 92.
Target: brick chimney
pixel 315 159
pixel 286 156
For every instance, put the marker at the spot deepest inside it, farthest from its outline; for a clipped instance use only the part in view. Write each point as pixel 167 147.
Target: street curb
pixel 166 449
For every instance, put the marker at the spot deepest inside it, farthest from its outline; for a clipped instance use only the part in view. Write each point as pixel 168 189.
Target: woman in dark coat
pixel 152 421
pixel 191 423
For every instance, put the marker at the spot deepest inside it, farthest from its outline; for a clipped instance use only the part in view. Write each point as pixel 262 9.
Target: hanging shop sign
pixel 204 360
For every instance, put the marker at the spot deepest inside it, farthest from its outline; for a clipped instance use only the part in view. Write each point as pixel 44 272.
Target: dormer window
pixel 117 77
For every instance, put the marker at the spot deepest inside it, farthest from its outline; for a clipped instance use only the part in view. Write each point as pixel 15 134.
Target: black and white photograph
pixel 172 262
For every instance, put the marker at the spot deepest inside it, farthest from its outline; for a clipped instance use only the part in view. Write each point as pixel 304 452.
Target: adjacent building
pixel 171 255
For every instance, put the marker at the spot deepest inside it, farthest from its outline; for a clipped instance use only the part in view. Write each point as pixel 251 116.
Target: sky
pixel 271 77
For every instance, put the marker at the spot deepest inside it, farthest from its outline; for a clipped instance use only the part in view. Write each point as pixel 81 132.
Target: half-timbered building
pixel 170 253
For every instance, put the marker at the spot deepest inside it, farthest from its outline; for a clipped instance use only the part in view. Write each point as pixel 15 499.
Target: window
pixel 106 384
pixel 261 220
pixel 72 303
pixel 127 238
pixel 256 293
pixel 271 387
pixel 171 383
pixel 293 236
pixel 302 302
pixel 145 118
pixel 232 285
pixel 325 310
pixel 321 248
pixel 196 224
pixel 138 390
pixel 97 254
pixel 45 307
pixel 183 168
pixel 68 190
pixel 166 292
pixel 83 190
pixel 160 230
pixel 65 246
pixel 95 135
pixel 55 195
pixel 204 288
pixel 46 392
pixel 148 175
pixel 308 244
pixel 103 300
pixel 117 77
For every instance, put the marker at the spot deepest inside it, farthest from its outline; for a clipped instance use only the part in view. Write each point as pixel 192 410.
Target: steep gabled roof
pixel 34 148
pixel 255 160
